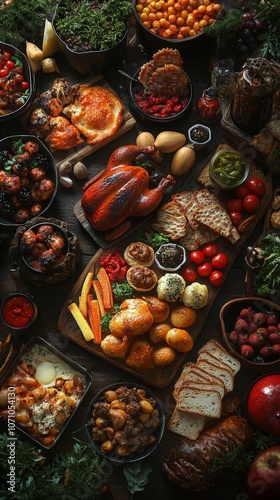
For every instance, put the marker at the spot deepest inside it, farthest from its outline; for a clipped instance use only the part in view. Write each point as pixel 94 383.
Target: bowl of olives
pixel 199 135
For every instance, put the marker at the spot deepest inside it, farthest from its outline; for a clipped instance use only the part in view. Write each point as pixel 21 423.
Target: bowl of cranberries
pixel 28 179
pixel 158 108
pixel 251 331
pixel 16 83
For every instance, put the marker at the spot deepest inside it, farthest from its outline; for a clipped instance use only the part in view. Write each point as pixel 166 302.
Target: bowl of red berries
pixel 161 93
pixel 251 331
pixel 16 83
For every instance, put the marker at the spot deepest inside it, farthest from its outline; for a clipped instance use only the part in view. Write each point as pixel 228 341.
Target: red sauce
pixel 18 311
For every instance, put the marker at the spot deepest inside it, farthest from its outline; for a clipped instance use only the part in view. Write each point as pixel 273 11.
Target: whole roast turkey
pixel 122 190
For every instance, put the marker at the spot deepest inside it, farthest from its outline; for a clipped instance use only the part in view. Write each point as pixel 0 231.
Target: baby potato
pixel 179 339
pixel 183 316
pixel 157 332
pixel 163 356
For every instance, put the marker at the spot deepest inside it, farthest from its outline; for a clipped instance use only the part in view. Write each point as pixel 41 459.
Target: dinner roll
pixel 179 339
pixel 158 332
pixel 163 356
pixel 183 316
pixel 159 308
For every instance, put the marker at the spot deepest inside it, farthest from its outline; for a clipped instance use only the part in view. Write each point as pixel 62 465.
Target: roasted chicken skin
pixel 134 318
pixel 122 190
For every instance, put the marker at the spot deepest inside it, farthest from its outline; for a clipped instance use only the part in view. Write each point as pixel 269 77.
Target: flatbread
pixel 171 221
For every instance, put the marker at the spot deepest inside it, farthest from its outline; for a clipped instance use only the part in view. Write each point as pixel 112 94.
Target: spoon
pixel 127 76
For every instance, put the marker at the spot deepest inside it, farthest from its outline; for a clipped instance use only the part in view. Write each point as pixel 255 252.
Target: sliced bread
pixel 207 403
pixel 219 352
pixel 186 424
pixel 201 384
pixel 224 374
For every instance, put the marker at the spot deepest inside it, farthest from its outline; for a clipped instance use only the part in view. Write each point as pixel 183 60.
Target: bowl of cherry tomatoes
pixel 174 24
pixel 16 83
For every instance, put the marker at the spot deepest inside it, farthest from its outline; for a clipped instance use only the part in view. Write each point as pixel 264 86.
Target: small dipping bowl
pixel 199 135
pixel 170 257
pixel 18 311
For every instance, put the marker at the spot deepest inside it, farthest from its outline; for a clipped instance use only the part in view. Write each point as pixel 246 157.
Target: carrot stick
pixel 98 292
pixel 106 286
pixel 94 320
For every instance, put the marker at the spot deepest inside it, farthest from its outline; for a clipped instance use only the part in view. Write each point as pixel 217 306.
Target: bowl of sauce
pixel 170 257
pixel 18 311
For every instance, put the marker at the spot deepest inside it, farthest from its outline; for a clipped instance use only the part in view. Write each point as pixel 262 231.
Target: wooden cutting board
pixel 83 150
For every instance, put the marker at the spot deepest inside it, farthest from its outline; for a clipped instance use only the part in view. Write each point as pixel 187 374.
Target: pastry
pixel 141 278
pixel 139 254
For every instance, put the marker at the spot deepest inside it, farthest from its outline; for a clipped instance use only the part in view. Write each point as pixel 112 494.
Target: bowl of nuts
pixel 251 331
pixel 125 422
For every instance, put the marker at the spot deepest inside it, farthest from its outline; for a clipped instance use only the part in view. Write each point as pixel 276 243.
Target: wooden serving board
pixel 157 377
pixel 83 150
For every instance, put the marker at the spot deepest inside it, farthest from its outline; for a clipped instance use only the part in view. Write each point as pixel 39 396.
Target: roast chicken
pixel 122 190
pixel 134 318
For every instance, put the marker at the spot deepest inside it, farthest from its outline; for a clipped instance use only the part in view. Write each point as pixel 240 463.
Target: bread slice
pixel 203 402
pixel 274 127
pixel 207 363
pixel 216 361
pixel 202 385
pixel 220 353
pixel 186 424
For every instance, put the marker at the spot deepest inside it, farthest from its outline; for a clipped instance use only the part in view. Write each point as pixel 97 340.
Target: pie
pixel 96 112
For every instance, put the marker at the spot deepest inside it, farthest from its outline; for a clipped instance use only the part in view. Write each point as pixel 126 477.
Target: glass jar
pixel 223 78
pixel 208 106
pixel 253 96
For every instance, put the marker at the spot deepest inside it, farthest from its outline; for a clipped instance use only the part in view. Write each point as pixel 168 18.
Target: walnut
pixel 276 202
pixel 275 219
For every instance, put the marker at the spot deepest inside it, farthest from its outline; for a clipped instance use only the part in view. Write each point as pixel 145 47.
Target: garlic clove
pixel 66 182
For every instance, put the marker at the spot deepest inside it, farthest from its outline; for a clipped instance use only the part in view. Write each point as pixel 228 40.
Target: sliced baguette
pixel 207 403
pixel 186 424
pixel 219 352
pixel 219 371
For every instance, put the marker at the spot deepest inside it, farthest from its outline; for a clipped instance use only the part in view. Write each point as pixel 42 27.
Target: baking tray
pixel 43 343
pixel 157 377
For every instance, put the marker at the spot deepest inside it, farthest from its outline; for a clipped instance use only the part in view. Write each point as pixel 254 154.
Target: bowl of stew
pixel 17 83
pixel 125 422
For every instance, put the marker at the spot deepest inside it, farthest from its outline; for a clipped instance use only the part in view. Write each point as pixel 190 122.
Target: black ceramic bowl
pixel 54 239
pixel 229 313
pixel 92 61
pixel 6 144
pixel 28 76
pixel 152 42
pixel 18 311
pixel 147 118
pixel 38 353
pixel 158 433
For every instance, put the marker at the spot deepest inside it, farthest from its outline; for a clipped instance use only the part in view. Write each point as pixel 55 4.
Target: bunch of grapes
pixel 249 33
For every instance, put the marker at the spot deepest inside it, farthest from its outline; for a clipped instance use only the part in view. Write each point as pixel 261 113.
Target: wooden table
pixel 50 299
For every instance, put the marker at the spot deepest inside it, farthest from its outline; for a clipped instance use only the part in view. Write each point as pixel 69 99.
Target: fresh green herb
pixel 232 465
pixel 123 291
pixel 92 27
pixel 137 476
pixel 263 441
pixel 225 28
pixel 24 20
pixel 78 474
pixel 105 320
pixel 152 238
pixel 267 280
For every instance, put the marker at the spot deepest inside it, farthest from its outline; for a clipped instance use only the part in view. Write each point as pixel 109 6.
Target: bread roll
pixel 158 332
pixel 183 316
pixel 159 308
pixel 163 356
pixel 179 339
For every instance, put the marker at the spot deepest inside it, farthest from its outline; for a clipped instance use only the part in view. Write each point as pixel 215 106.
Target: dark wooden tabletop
pixel 50 298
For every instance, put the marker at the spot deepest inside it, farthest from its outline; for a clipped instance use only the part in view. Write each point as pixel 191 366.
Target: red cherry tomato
pixel 235 205
pixel 216 278
pixel 236 218
pixel 251 203
pixel 204 269
pixel 241 191
pixel 10 64
pixel 3 72
pixel 24 85
pixel 189 273
pixel 210 250
pixel 220 260
pixel 256 186
pixel 197 257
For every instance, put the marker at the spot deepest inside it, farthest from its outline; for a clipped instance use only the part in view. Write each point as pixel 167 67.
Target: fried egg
pixel 45 372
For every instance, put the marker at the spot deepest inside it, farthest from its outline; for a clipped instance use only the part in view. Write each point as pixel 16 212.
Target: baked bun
pixel 141 278
pixel 159 308
pixel 139 254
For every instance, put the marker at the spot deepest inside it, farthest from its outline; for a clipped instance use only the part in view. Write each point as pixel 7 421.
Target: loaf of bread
pixel 188 463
